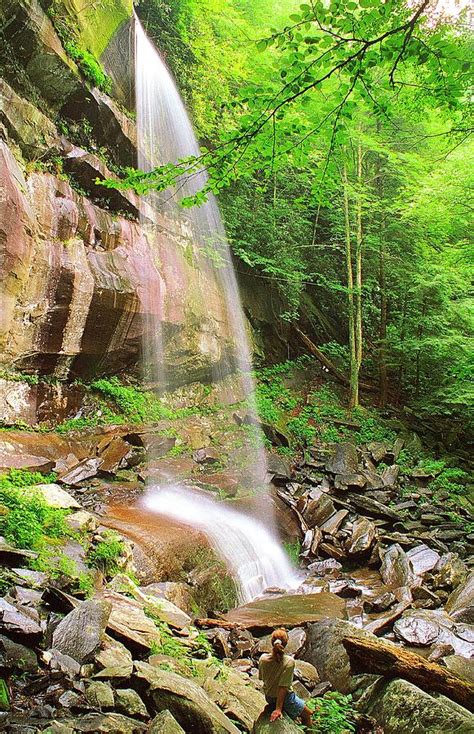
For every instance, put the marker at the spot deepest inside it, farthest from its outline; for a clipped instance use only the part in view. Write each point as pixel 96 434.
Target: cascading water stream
pixel 165 135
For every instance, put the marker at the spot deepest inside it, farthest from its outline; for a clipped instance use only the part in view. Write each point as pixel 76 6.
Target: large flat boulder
pixel 81 632
pixel 402 708
pixel 285 725
pixel 187 702
pixel 324 649
pixel 291 610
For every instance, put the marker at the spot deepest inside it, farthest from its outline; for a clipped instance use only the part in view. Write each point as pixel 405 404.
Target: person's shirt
pixel 275 673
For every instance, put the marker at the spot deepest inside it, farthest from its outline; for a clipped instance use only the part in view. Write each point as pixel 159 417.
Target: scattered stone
pixel 350 481
pixel 306 672
pixel 113 454
pixel 416 630
pixel 422 559
pixel 100 695
pixel 333 523
pixel 82 522
pixel 460 604
pixel 380 603
pixel 460 666
pixel 318 511
pixel 17 657
pixel 165 723
pixel 440 650
pixel 323 567
pixel 373 507
pixel 129 702
pixel 18 620
pixel 114 659
pixel 362 537
pixel 81 632
pixel 390 475
pixel 10 556
pixel 344 461
pixel 449 572
pixel 206 456
pixel 69 699
pixel 129 622
pixel 108 724
pixel 64 663
pixel 396 568
pixel 384 620
pixel 84 470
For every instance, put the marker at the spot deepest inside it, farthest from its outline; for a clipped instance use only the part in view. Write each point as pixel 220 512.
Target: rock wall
pixel 84 284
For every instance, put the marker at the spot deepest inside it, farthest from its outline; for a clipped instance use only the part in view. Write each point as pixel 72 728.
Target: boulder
pixel 396 569
pixel 460 604
pixel 292 610
pixel 285 725
pixel 17 657
pixel 81 632
pixel 82 521
pixel 416 630
pixel 113 454
pixel 306 672
pixel 165 723
pixel 114 659
pixel 333 523
pixel 344 461
pixel 460 666
pixel 318 511
pixel 238 698
pixel 296 641
pixel 403 708
pixel 108 724
pixel 129 622
pixel 362 537
pixel 422 559
pixel 324 649
pixel 161 607
pixel 449 572
pixel 57 497
pixel 186 701
pixel 129 702
pixel 99 695
pixel 10 556
pixel 84 470
pixel 19 621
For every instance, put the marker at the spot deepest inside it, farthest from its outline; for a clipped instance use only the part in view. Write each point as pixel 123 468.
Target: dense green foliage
pixel 339 134
pixel 26 520
pixel 333 713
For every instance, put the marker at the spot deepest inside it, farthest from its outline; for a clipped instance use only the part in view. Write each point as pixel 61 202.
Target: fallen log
pixel 330 366
pixel 382 658
pixel 208 623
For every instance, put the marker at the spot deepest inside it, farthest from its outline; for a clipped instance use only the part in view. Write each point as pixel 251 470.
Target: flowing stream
pixel 165 135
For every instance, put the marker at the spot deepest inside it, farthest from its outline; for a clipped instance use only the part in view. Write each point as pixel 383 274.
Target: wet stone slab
pixel 291 610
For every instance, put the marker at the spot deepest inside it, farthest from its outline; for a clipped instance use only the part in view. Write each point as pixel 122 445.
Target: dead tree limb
pixel 383 658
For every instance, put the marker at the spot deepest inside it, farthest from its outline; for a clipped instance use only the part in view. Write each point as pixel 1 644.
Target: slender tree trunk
pixel 382 328
pixel 358 260
pixel 383 377
pixel 401 368
pixel 419 335
pixel 353 363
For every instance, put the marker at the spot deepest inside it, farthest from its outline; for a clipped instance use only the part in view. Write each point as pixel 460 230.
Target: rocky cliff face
pixel 84 283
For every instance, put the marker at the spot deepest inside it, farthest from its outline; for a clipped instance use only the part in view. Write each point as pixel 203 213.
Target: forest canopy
pixel 338 137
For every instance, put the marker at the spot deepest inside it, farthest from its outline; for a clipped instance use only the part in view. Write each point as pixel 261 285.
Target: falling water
pixel 165 135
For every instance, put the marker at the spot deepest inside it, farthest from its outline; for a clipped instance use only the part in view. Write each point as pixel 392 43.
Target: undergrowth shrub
pixel 106 553
pixel 333 713
pixel 26 520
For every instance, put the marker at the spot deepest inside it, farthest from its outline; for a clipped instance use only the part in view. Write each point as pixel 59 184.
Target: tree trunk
pixel 383 658
pixel 358 260
pixel 313 349
pixel 401 368
pixel 353 363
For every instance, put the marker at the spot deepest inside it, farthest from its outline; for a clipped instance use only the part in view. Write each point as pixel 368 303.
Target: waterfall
pixel 165 134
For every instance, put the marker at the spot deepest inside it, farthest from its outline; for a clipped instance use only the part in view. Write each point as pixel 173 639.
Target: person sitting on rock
pixel 276 670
